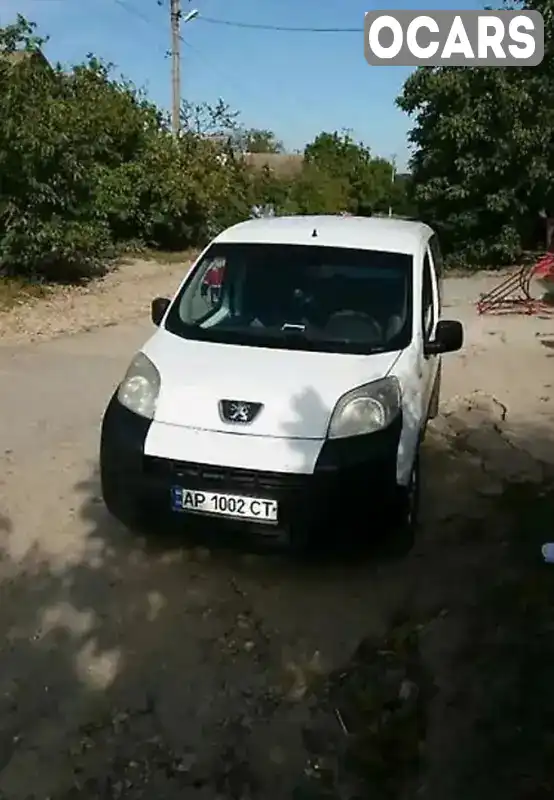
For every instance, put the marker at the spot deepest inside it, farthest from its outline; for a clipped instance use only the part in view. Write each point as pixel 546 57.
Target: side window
pixel 204 296
pixel 436 253
pixel 427 304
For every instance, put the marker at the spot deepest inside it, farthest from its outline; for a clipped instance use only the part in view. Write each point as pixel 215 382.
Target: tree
pixel 369 180
pixel 402 196
pixel 269 189
pixel 89 164
pixel 44 199
pixel 483 165
pixel 204 119
pixel 315 191
pixel 254 140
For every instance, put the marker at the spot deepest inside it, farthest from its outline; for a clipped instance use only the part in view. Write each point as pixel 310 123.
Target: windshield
pixel 303 297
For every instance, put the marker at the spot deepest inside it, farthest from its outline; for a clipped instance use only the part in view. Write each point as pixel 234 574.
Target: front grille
pixel 229 477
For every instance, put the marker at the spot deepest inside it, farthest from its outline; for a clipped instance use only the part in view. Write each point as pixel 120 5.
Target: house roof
pixel 16 57
pixel 285 164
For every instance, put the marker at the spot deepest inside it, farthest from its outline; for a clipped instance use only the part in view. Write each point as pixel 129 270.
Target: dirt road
pixel 116 654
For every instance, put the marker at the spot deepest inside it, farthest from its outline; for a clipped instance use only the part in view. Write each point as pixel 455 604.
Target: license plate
pixel 224 505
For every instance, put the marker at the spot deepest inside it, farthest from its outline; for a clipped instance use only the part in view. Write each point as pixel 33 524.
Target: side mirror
pixel 158 309
pixel 449 337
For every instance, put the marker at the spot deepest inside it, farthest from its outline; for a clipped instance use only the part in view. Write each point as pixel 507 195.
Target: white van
pixel 294 396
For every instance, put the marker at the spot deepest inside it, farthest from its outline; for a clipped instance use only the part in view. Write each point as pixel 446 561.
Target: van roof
pixel 363 233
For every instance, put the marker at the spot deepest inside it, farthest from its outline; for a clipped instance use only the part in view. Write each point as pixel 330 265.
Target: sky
pixel 295 84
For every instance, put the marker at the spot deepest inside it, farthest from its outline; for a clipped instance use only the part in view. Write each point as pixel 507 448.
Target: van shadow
pixel 360 534
pixel 148 670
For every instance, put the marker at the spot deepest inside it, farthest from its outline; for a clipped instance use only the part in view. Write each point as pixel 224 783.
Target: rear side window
pixel 436 254
pixel 427 305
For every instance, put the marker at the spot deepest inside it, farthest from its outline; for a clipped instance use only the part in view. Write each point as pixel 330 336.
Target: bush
pixel 87 164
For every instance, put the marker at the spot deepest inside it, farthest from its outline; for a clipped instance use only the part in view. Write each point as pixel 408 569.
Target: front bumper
pixel 354 481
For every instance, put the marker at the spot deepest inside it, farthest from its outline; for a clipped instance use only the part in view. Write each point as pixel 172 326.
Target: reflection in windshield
pixel 295 296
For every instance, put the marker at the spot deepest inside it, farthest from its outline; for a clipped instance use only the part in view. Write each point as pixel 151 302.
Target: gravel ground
pixel 121 295
pixel 167 669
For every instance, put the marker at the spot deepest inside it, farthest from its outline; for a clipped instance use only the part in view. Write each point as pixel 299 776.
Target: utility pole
pixel 175 13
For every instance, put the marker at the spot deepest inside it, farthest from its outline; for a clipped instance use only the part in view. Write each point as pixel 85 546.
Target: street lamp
pixel 190 16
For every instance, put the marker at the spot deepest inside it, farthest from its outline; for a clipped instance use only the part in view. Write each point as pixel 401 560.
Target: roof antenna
pixel 314 234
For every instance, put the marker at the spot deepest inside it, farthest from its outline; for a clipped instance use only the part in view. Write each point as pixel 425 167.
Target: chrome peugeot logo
pixel 238 412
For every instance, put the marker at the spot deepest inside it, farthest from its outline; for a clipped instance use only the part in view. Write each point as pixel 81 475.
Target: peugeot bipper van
pixel 297 395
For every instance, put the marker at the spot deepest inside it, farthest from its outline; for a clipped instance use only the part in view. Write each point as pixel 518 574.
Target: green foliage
pixel 483 164
pixel 88 165
pixel 268 189
pixel 316 191
pixel 366 181
pixel 338 175
pixel 254 140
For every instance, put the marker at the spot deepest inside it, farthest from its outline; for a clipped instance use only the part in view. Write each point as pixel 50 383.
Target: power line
pixel 210 63
pixel 221 73
pixel 176 39
pixel 232 24
pixel 132 10
pixel 139 15
pixel 288 28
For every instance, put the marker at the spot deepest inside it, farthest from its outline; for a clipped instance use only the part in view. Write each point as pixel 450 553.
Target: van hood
pixel 298 390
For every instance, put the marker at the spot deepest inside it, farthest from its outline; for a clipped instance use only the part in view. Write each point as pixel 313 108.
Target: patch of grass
pixel 16 292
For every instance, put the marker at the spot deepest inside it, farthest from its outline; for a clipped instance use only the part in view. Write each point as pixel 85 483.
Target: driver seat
pixel 352 325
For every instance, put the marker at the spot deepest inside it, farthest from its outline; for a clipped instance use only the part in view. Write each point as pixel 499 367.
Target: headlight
pixel 367 409
pixel 140 387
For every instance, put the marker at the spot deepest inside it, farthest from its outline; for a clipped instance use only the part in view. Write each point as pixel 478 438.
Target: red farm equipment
pixel 513 294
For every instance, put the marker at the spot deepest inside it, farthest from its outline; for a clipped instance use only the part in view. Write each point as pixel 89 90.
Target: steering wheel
pixel 354 325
